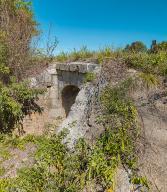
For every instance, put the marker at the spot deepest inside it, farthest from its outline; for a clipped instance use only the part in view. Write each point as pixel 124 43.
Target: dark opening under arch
pixel 69 95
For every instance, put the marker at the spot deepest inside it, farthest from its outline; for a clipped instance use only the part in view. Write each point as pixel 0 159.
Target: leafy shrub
pixel 17 28
pixel 16 101
pixel 89 77
pixel 158 47
pixel 136 47
pixel 122 127
pixel 162 46
pixel 5 185
pixel 148 63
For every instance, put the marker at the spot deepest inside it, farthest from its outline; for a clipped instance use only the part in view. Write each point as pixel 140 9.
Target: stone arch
pixel 69 94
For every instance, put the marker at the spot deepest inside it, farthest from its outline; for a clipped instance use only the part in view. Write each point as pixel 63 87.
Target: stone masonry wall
pixel 37 123
pixel 55 78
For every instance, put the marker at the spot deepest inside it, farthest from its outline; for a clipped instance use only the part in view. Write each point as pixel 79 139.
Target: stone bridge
pixel 63 83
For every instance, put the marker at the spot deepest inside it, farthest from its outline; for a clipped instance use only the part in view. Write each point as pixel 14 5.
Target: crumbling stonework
pixel 37 123
pixel 55 79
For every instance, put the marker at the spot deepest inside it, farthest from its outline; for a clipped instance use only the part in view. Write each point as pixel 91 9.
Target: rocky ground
pixel 16 159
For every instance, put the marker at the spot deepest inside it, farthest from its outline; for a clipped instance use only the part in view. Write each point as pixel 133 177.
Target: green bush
pixel 119 139
pixel 158 47
pixel 136 47
pixel 148 62
pixel 89 77
pixel 16 31
pixel 16 101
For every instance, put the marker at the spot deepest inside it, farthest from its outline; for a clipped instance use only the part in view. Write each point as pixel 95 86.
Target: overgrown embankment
pixel 147 68
pixel 90 166
pixel 119 118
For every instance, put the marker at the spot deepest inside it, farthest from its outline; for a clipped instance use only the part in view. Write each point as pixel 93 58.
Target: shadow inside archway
pixel 69 95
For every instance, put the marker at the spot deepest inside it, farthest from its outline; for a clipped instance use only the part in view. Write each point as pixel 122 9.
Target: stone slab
pixel 80 67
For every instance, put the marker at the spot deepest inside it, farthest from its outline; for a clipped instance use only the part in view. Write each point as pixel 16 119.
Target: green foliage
pixel 17 28
pixel 4 153
pixel 2 171
pixel 16 31
pixel 85 54
pixel 16 101
pixel 4 70
pixel 58 169
pixel 62 57
pixel 135 56
pixel 23 4
pixel 136 47
pixel 159 47
pixel 122 127
pixel 162 46
pixel 148 62
pixel 149 80
pixel 5 185
pixel 75 55
pixel 107 52
pixel 140 181
pixel 82 54
pixel 13 141
pixel 89 77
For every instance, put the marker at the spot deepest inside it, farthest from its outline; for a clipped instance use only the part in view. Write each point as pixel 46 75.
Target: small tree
pixel 136 47
pixel 17 28
pixel 16 101
pixel 158 47
pixel 162 46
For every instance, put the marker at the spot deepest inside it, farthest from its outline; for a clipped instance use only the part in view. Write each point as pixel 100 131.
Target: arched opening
pixel 69 95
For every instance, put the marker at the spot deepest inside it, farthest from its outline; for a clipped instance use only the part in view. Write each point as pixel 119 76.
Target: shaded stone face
pixel 69 95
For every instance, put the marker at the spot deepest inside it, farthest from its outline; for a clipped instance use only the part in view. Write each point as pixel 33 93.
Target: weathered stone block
pixel 91 67
pixel 63 67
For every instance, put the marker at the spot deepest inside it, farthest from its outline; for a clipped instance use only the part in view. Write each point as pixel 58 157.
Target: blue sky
pixel 99 23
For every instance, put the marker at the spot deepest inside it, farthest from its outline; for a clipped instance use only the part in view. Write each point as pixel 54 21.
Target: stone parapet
pixel 79 67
